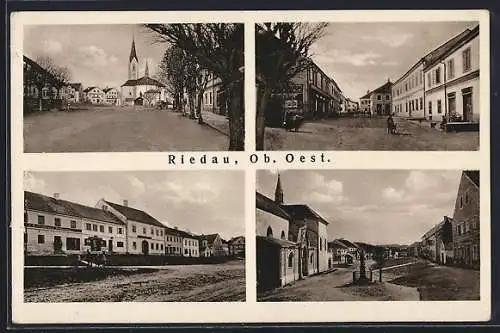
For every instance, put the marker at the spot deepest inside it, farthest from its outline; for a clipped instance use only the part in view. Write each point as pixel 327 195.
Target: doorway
pixel 467 104
pixel 305 270
pixel 145 247
pixel 57 244
pixel 110 245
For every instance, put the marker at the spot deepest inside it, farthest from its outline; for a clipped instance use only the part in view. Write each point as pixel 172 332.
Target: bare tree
pixel 61 75
pixel 282 51
pixel 218 48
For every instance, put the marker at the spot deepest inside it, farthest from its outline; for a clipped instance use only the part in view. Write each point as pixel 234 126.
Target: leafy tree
pixel 172 70
pixel 282 51
pixel 217 48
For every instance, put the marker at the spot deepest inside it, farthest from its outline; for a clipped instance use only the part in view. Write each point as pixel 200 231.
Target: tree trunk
pixel 192 110
pixel 199 100
pixel 260 126
pixel 236 118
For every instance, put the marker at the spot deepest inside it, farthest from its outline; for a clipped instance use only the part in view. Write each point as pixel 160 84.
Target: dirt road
pixel 335 286
pixel 199 283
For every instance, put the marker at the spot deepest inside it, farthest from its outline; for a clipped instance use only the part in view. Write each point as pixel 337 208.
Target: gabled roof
pixel 173 231
pixel 347 243
pixel 43 203
pixel 335 244
pixel 90 88
pixel 209 238
pixel 268 205
pixel 143 81
pixel 384 89
pixel 236 239
pixel 136 214
pixel 185 234
pixel 437 227
pixel 107 89
pixel 368 94
pixel 303 211
pixel 473 175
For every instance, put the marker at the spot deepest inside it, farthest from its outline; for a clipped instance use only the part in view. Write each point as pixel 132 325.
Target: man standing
pixel 390 124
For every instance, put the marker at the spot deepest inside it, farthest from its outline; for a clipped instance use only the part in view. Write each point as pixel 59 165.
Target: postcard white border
pixel 249 311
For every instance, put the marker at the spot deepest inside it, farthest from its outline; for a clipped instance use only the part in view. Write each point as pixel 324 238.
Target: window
pixel 311 259
pixel 161 247
pixel 428 79
pixel 451 69
pixel 152 231
pixel 466 59
pixel 41 219
pixel 438 75
pixel 57 221
pixel 421 103
pixel 144 231
pixel 387 97
pixel 101 228
pixel 156 246
pixel 110 230
pixel 134 245
pixel 73 224
pixel 320 244
pixel 72 244
pixel 134 228
pixel 88 226
pixel 461 202
pixel 290 260
pixel 41 239
pixel 161 233
pixel 269 232
pixel 157 232
pixel 94 227
pixel 152 246
pixel 439 106
pixel 466 198
pixel 120 244
pixel 430 107
pixel 378 97
pixel 120 231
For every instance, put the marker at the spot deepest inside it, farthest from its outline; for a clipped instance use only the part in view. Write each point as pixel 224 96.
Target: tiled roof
pixel 438 52
pixel 302 211
pixel 136 215
pixel 43 203
pixel 473 175
pixel 143 81
pixel 268 205
pixel 384 89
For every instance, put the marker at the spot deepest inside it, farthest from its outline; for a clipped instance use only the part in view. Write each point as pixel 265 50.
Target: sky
pixel 362 56
pixel 96 55
pixel 202 202
pixel 373 206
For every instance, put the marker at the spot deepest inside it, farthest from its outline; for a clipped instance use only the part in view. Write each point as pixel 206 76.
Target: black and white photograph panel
pixel 368 86
pixel 135 87
pixel 367 235
pixel 134 236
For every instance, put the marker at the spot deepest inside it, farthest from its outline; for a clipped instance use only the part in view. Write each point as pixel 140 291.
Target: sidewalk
pixel 218 122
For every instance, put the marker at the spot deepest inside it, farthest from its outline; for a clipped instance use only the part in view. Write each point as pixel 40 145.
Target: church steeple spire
pixel 278 194
pixel 133 53
pixel 146 71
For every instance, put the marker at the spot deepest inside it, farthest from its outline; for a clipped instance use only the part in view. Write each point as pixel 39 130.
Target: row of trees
pixel 282 51
pixel 215 48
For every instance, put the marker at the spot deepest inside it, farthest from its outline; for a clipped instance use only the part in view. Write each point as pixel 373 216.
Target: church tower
pixel 146 71
pixel 133 63
pixel 278 194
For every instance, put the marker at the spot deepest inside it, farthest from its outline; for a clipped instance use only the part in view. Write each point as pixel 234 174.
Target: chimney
pixel 56 196
pixel 125 203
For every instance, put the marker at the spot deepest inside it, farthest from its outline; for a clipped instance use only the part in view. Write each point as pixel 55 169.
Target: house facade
pixel 112 96
pixel 56 226
pixel 408 93
pixel 437 243
pixel 145 234
pixel 237 246
pixel 379 101
pixel 365 103
pixel 214 99
pixel 210 245
pixel 338 252
pixel 74 92
pixel 94 95
pixel 173 242
pixel 465 225
pixel 190 245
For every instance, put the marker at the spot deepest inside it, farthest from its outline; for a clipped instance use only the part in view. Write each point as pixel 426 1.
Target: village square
pixel 133 88
pixel 368 86
pixel 134 237
pixel 327 236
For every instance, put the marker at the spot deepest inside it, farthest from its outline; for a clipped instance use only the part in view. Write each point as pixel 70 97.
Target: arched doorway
pixel 145 247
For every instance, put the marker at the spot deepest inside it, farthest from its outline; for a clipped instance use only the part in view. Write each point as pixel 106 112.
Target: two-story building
pixel 438 242
pixel 337 252
pixel 452 79
pixel 465 224
pixel 379 101
pixel 190 244
pixel 173 242
pixel 94 95
pixel 74 92
pixel 145 234
pixel 56 226
pixel 210 245
pixel 408 93
pixel 112 96
pixel 237 246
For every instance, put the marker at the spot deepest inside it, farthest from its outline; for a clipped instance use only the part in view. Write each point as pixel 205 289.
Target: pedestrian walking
pixel 390 125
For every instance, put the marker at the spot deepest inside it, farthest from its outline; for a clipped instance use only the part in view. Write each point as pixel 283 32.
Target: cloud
pixel 199 193
pixel 392 40
pixel 420 181
pixel 33 184
pixel 50 46
pixel 392 194
pixel 91 57
pixel 359 59
pixel 138 186
pixel 323 191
